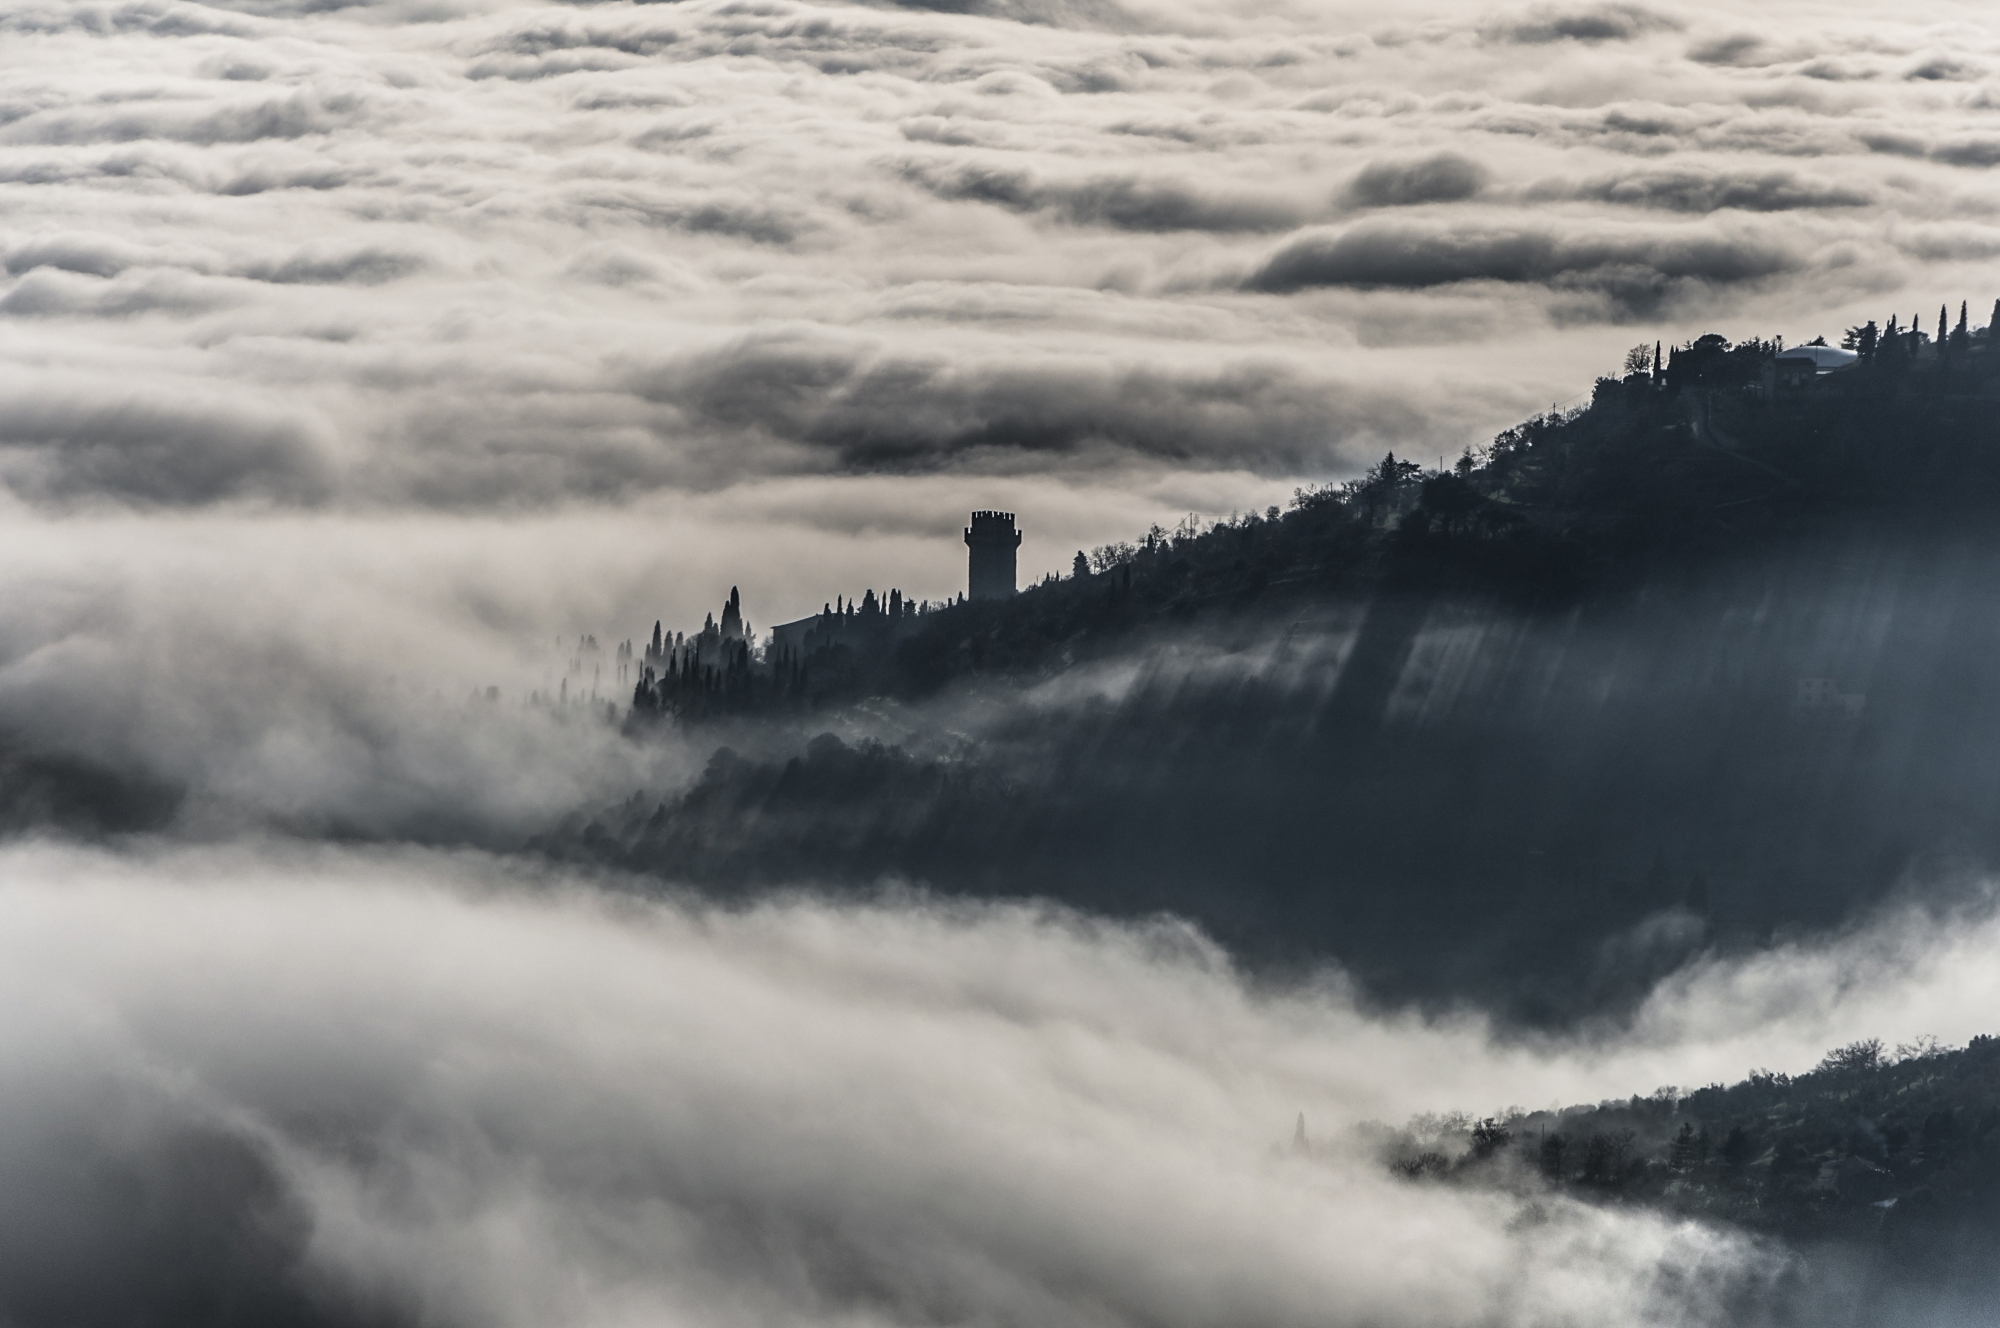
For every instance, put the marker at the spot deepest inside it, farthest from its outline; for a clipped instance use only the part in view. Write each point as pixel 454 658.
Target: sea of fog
pixel 307 1084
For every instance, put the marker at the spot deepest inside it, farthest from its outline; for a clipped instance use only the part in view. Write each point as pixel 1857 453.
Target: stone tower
pixel 992 539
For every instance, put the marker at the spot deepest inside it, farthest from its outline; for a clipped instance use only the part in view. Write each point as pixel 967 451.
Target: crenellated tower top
pixel 992 540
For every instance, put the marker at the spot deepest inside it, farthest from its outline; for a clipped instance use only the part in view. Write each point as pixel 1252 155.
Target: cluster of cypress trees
pixel 1893 340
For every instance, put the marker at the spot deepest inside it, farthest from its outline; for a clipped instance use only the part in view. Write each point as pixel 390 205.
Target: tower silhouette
pixel 992 539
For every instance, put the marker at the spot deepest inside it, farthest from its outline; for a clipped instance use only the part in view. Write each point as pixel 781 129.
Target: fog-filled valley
pixel 994 993
pixel 748 663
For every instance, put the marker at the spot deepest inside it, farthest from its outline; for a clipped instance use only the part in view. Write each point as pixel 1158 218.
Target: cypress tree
pixel 1892 350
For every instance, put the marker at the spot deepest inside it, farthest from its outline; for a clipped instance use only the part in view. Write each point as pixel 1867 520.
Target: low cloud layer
pixel 1583 23
pixel 1120 202
pixel 563 1108
pixel 462 256
pixel 1638 271
pixel 1698 190
pixel 1444 178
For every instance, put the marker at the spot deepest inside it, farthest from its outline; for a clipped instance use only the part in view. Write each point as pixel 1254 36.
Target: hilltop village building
pixel 1793 369
pixel 675 671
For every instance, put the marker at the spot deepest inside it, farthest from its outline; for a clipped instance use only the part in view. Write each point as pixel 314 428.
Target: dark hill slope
pixel 1654 481
pixel 1884 1169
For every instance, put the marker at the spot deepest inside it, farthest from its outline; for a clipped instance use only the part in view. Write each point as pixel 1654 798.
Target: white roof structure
pixel 1826 359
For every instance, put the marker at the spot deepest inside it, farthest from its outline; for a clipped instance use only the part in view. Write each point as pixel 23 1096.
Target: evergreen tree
pixel 1394 474
pixel 1680 1153
pixel 1080 569
pixel 1961 336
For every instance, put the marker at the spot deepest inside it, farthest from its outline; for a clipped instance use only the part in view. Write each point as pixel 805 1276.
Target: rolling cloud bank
pixel 313 1087
pixel 463 255
pixel 358 360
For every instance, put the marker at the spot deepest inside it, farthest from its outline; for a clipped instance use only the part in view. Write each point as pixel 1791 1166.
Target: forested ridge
pixel 1667 471
pixel 1892 1151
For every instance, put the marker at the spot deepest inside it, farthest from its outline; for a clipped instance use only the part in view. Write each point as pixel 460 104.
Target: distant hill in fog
pixel 1662 475
pixel 1885 1164
pixel 1711 657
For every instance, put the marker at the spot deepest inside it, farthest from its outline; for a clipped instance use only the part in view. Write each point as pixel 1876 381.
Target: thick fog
pixel 265 1084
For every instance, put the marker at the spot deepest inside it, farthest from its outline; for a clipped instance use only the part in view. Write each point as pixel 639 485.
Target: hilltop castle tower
pixel 992 539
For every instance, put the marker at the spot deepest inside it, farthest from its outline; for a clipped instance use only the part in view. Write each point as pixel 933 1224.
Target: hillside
pixel 1657 676
pixel 1660 477
pixel 1893 1155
